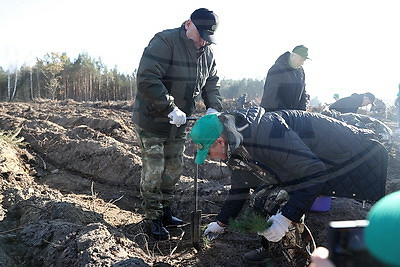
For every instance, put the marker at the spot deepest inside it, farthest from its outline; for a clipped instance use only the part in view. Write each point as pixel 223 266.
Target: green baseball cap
pixel 382 234
pixel 302 51
pixel 204 133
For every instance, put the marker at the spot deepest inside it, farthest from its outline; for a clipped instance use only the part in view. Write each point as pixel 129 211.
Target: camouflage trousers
pixel 162 159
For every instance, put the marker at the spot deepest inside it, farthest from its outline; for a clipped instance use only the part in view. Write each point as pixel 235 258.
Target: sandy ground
pixel 69 196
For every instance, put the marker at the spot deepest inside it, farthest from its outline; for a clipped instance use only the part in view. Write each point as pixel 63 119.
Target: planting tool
pixel 174 129
pixel 196 213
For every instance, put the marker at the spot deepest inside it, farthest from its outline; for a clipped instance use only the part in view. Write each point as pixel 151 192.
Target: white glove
pixel 211 111
pixel 214 228
pixel 278 229
pixel 177 116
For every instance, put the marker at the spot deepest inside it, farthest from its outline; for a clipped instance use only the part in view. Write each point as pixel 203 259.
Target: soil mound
pixel 69 176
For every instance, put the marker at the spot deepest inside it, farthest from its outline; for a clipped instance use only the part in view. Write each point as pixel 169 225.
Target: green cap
pixel 382 235
pixel 302 51
pixel 204 133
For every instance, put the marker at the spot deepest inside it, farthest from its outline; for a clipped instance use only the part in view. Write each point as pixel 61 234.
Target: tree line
pixel 55 76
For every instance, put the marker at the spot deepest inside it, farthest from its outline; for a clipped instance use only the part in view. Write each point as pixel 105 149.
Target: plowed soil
pixel 70 197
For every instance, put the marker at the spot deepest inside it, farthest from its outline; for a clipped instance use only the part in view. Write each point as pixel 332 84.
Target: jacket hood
pixel 283 60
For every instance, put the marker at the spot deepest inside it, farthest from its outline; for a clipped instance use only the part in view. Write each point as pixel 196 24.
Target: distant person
pixel 314 105
pixel 397 104
pixel 176 66
pixel 379 109
pixel 242 101
pixel 352 103
pixel 336 97
pixel 285 83
pixel 307 154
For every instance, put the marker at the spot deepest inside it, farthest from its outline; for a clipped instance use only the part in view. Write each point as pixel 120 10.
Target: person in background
pixel 336 97
pixel 397 104
pixel 307 154
pixel 351 103
pixel 285 83
pixel 242 101
pixel 378 110
pixel 176 66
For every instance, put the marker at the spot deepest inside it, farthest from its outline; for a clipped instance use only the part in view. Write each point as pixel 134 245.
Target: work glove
pixel 278 229
pixel 177 117
pixel 213 230
pixel 211 111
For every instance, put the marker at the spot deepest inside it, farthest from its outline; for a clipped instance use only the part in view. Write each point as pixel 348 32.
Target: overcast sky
pixel 354 45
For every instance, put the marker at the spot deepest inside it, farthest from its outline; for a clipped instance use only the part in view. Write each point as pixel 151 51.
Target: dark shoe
pixel 170 221
pixel 258 256
pixel 157 230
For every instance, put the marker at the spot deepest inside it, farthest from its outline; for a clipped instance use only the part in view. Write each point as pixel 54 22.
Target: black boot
pixel 158 231
pixel 258 256
pixel 170 221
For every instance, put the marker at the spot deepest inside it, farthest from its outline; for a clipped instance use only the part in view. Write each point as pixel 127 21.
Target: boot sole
pixel 262 263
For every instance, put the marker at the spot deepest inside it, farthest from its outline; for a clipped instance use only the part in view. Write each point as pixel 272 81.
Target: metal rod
pixel 196 187
pixel 192 118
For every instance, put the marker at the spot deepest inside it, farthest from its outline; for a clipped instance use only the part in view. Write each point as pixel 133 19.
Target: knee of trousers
pixel 151 180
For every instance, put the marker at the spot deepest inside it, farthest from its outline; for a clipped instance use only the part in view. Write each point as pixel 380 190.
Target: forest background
pixel 55 76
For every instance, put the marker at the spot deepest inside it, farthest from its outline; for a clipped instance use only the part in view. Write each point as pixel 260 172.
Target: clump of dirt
pixel 70 197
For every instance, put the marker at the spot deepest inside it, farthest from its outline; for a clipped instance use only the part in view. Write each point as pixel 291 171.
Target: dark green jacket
pixel 284 87
pixel 172 72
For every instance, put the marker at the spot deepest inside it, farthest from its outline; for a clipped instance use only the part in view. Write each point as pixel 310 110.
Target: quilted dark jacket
pixel 284 87
pixel 348 104
pixel 172 73
pixel 309 155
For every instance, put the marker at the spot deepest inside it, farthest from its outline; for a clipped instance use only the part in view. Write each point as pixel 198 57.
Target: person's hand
pixel 177 116
pixel 319 258
pixel 213 230
pixel 278 229
pixel 211 111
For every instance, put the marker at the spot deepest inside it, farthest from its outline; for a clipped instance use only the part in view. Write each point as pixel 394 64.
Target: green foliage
pixel 3 83
pixel 56 76
pixel 51 67
pixel 206 241
pixel 12 138
pixel 235 88
pixel 250 223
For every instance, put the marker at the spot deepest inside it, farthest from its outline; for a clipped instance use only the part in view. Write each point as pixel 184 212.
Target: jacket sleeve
pixel 210 92
pixel 305 98
pixel 271 100
pixel 299 170
pixel 241 183
pixel 304 101
pixel 154 63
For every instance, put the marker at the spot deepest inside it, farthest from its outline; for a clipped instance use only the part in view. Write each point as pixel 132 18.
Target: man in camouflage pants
pixel 162 166
pixel 176 66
